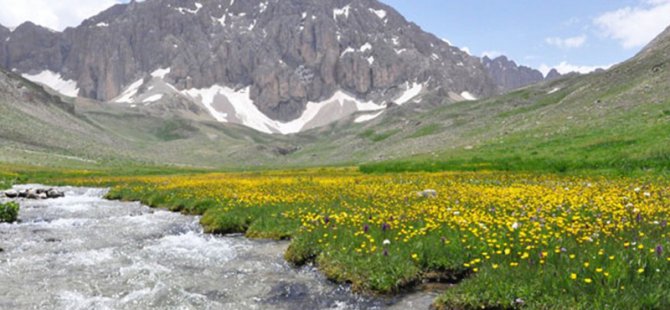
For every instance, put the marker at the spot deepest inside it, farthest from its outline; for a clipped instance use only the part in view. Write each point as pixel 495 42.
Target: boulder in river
pixel 11 194
pixel 31 194
pixel 40 193
pixel 55 194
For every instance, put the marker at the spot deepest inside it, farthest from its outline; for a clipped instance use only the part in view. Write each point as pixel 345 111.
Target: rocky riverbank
pixel 38 193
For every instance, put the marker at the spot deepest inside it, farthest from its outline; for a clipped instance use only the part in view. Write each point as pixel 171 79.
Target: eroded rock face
pixel 552 75
pixel 32 48
pixel 508 75
pixel 289 52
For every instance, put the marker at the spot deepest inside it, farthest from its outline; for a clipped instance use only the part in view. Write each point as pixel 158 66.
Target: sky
pixel 570 35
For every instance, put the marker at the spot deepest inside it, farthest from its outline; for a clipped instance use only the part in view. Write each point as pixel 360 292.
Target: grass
pixel 371 135
pixel 174 130
pixel 634 141
pixel 426 131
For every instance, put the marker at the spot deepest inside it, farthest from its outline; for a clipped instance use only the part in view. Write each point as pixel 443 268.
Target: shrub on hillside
pixel 9 212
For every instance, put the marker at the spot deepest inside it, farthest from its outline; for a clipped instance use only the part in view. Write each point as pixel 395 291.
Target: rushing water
pixel 85 252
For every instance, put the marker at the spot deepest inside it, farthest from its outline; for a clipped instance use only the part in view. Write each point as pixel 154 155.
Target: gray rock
pixel 11 194
pixel 55 194
pixel 429 193
pixel 552 75
pixel 42 196
pixel 32 194
pixel 508 76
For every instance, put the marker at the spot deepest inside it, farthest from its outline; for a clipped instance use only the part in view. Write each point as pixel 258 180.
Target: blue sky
pixel 571 35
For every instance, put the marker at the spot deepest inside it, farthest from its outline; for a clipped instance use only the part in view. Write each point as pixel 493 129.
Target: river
pixel 85 252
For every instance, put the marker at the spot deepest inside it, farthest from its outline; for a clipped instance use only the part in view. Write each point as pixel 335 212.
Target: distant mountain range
pixel 507 75
pixel 275 66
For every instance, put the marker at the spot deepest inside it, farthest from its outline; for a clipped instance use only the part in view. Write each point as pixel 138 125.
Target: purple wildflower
pixel 385 227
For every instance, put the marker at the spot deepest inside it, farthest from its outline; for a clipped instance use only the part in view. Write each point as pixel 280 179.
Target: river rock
pixel 55 194
pixel 31 194
pixel 23 193
pixel 11 194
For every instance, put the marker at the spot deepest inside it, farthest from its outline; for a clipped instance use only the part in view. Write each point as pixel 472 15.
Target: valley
pixel 330 155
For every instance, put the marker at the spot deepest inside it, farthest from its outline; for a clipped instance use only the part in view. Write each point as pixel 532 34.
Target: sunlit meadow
pixel 509 240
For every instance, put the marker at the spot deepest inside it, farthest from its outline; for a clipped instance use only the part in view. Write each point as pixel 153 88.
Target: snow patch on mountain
pixel 409 94
pixel 367 117
pixel 153 98
pixel 341 12
pixel 229 105
pixel 468 96
pixel 55 81
pixel 198 6
pixel 161 73
pixel 129 93
pixel 380 13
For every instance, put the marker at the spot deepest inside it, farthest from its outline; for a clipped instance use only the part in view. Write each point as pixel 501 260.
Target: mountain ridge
pixel 337 46
pixel 295 64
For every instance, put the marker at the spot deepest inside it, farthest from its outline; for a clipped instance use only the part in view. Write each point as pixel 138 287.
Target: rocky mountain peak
pixel 508 75
pixel 552 75
pixel 285 58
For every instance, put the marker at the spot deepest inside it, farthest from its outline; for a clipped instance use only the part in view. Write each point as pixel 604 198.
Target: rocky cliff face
pixel 552 75
pixel 507 75
pixel 287 53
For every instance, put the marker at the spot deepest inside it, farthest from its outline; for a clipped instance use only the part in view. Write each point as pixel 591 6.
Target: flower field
pixel 508 240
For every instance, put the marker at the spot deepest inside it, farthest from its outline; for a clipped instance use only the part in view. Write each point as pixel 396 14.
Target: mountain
pixel 37 122
pixel 275 66
pixel 552 75
pixel 40 128
pixel 507 75
pixel 615 118
pixel 619 115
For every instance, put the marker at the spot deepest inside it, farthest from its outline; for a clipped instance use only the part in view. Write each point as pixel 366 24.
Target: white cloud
pixel 564 68
pixel 567 43
pixel 635 26
pixel 52 14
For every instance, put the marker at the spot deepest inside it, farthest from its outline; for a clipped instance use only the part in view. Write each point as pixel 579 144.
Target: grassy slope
pixel 617 119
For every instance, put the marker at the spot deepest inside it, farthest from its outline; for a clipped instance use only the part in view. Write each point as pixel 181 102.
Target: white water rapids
pixel 85 252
